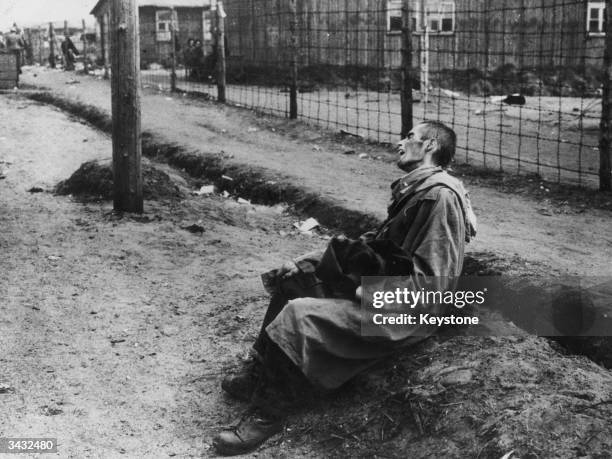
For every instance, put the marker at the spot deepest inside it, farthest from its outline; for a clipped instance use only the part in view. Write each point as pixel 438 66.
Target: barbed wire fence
pixel 520 81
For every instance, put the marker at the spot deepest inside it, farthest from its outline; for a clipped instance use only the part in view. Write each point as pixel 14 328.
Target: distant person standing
pixel 2 41
pixel 69 52
pixel 14 44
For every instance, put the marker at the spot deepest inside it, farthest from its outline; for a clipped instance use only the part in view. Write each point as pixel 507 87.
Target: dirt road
pixel 571 240
pixel 115 330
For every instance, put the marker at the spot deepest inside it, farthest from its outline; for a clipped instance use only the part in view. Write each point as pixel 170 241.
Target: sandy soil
pixel 116 329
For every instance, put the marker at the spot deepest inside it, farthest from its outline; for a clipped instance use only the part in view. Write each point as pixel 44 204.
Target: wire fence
pixel 520 81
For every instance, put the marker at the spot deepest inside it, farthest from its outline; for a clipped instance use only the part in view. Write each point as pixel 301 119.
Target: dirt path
pixel 116 330
pixel 570 240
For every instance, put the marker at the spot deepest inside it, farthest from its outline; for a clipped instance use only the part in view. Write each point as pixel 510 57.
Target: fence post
pixel 406 69
pixel 293 89
pixel 41 45
pixel 605 134
pixel 173 53
pixel 51 46
pixel 125 90
pixel 104 44
pixel 84 40
pixel 221 52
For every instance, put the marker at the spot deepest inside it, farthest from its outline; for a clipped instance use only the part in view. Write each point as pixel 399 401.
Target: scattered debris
pixel 316 148
pixel 195 228
pixel 345 132
pixel 243 201
pixel 225 194
pixel 451 94
pixel 458 377
pixel 364 156
pixel 483 111
pixel 54 258
pixel 349 152
pixel 117 341
pixel 228 178
pixel 252 129
pixel 5 389
pixel 306 225
pixel 206 189
pixel 73 81
pixel 35 189
pixel 51 410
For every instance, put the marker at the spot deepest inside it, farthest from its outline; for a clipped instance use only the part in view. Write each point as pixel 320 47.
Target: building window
pixel 596 18
pixel 441 17
pixel 394 16
pixel 163 25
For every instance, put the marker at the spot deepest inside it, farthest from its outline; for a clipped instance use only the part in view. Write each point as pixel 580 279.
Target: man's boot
pixel 242 385
pixel 251 432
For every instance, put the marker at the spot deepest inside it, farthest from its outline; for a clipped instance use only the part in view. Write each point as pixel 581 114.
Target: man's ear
pixel 432 145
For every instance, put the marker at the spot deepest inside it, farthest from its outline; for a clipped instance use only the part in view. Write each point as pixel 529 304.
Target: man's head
pixel 429 143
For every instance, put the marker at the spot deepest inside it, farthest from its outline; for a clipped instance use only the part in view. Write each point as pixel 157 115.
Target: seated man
pixel 311 341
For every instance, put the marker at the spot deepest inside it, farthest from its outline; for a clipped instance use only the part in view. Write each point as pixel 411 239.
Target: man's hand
pixel 288 269
pixel 358 294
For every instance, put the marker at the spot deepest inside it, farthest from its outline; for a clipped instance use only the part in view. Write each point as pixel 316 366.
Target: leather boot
pixel 252 431
pixel 242 385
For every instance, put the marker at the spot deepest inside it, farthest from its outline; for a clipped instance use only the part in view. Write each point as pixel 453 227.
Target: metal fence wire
pixel 519 80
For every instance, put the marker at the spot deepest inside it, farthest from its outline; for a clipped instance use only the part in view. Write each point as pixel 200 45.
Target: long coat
pixel 430 217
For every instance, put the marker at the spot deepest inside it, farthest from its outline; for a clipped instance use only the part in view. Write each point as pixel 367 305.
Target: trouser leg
pixel 282 388
pixel 298 286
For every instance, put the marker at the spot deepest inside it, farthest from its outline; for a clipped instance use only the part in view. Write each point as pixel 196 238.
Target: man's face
pixel 412 149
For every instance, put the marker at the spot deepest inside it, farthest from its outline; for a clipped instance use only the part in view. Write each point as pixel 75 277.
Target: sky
pixel 37 12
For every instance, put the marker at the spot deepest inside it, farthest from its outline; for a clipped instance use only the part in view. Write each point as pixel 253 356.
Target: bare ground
pixel 116 329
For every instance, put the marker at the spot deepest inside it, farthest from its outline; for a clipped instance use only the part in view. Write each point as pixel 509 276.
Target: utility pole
pixel 125 89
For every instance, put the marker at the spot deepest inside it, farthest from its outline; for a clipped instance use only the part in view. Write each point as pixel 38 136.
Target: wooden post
pixel 293 88
pixel 84 40
pixel 424 54
pixel 605 134
pixel 220 52
pixel 406 69
pixel 173 52
pixel 51 46
pixel 41 45
pixel 103 44
pixel 65 28
pixel 125 88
